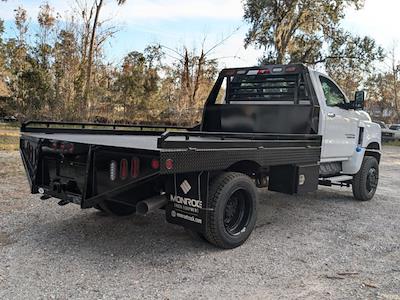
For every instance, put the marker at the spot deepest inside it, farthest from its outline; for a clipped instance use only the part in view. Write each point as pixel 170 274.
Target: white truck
pixel 285 127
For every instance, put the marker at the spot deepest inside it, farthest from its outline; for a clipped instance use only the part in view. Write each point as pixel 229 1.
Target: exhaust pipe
pixel 145 206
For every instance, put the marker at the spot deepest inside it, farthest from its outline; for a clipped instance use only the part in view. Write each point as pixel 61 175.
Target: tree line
pixel 59 70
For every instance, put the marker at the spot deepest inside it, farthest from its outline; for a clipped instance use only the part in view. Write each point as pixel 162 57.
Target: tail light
pixel 124 169
pixel 290 69
pixel 135 167
pixel 169 164
pixel 113 170
pixel 155 164
pixel 69 147
pixel 63 147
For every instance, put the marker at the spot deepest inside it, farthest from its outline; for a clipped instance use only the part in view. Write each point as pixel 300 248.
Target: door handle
pixel 331 115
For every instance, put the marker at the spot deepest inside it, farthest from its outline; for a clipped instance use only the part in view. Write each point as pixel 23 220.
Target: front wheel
pixel 233 210
pixel 365 182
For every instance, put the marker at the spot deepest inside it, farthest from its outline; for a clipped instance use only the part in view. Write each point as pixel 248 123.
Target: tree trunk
pixel 186 84
pixel 395 71
pixel 199 75
pixel 90 60
pixel 396 105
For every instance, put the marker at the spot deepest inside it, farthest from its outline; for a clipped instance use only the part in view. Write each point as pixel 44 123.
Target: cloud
pixel 176 9
pixel 378 19
pixel 139 10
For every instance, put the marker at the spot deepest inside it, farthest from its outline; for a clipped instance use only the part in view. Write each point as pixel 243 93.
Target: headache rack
pixel 268 84
pixel 285 88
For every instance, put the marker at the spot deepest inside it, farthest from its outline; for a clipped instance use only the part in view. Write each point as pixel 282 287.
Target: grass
pixel 9 137
pixel 9 126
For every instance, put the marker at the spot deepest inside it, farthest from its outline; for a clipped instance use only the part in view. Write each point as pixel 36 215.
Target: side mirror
pixel 359 99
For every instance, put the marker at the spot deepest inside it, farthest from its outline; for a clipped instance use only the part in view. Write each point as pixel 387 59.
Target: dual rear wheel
pixel 233 210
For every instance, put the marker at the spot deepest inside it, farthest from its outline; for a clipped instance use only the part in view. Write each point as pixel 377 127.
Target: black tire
pixel 233 210
pixel 365 182
pixel 115 208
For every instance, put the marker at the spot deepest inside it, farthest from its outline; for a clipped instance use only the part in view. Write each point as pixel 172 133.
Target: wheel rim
pixel 237 212
pixel 372 179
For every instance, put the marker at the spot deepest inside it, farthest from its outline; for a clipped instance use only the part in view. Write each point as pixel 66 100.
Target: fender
pixel 371 134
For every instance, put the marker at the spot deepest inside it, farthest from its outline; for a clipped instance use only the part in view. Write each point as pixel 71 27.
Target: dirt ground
pixel 324 245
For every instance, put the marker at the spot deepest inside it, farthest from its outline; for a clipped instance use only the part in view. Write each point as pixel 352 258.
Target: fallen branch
pixel 348 273
pixel 334 277
pixel 370 285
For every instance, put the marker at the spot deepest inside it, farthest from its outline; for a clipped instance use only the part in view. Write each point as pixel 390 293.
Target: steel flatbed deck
pixel 156 139
pixel 158 142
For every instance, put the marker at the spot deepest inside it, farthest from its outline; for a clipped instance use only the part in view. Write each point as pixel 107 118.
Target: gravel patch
pixel 322 245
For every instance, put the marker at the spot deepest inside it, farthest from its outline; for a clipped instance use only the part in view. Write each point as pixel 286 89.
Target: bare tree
pixel 97 5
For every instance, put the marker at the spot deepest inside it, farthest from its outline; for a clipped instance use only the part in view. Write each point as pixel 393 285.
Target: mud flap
pixel 187 205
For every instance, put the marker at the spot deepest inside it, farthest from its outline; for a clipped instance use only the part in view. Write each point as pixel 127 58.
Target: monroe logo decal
pixel 186 201
pixel 185 186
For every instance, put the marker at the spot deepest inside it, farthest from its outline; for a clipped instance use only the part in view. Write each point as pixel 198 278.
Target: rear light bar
pixel 124 168
pixel 267 71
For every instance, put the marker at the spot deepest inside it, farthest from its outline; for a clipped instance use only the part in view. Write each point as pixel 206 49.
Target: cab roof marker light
pixel 252 72
pixel 277 69
pixel 291 69
pixel 263 72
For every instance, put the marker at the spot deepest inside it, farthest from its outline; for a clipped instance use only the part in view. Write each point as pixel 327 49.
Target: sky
pixel 176 22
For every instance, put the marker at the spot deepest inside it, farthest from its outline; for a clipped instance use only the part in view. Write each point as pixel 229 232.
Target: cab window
pixel 333 95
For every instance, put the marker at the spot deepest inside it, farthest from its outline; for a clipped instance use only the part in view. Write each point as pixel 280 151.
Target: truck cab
pixel 347 130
